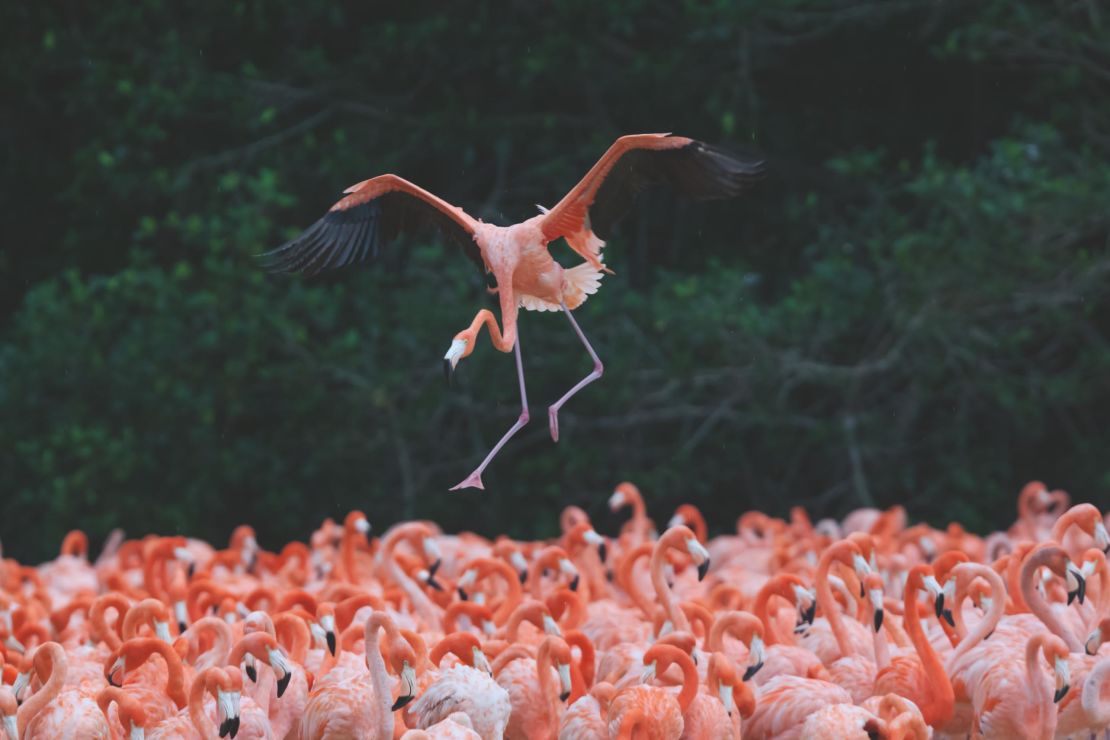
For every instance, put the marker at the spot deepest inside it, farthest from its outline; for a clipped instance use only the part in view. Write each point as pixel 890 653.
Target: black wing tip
pixel 336 239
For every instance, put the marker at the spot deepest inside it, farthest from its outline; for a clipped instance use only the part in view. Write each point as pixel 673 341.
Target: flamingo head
pixel 281 667
pixel 228 697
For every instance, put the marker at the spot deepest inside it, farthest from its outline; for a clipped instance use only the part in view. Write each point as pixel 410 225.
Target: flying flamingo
pixel 374 212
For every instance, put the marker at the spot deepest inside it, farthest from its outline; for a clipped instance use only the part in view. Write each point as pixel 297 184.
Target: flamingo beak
pixel 603 551
pixel 115 675
pixel 283 683
pixel 408 687
pixel 227 703
pixel 330 638
pixel 564 678
pixel 574 582
pixel 1094 641
pixel 1102 537
pixel 462 593
pixel 756 655
pixel 703 569
pixel 250 670
pixel 1080 590
pixel 451 359
pixel 1062 679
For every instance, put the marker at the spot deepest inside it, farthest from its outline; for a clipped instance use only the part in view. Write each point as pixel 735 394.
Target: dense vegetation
pixel 912 308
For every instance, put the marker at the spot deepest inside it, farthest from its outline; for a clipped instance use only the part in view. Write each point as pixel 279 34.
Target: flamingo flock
pixel 864 628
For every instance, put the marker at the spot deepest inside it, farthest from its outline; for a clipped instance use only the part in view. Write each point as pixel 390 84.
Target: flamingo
pixel 56 711
pixel 662 708
pixel 468 688
pixel 920 678
pixel 356 707
pixel 358 225
pixel 1014 699
pixel 131 714
pixel 536 703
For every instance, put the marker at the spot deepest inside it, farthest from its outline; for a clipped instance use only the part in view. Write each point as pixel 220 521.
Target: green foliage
pixel 912 308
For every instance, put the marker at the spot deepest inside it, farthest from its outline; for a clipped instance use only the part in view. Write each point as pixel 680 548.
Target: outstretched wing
pixel 634 163
pixel 373 213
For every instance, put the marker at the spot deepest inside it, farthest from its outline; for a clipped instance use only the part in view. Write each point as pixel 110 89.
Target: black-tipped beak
pixel 1080 591
pixel 809 613
pixel 112 681
pixel 229 727
pixel 938 605
pixel 433 583
pixel 703 569
pixel 402 702
pixel 878 619
pixel 862 590
pixel 752 670
pixel 181 627
pixel 574 583
pixel 283 683
pixel 523 576
pixel 564 696
pixel 949 618
pixel 252 673
pixel 603 551
pixel 435 568
pixel 330 638
pixel 190 570
pixel 1060 694
pixel 462 594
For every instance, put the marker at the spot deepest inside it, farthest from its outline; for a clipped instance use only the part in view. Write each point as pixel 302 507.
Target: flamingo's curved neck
pixel 1038 691
pixel 421 603
pixel 632 588
pixel 379 680
pixel 514 593
pixel 544 666
pixel 662 590
pixel 762 609
pixel 197 714
pixel 49 691
pixel 985 625
pixel 1037 604
pixel 826 602
pixel 689 684
pixel 942 699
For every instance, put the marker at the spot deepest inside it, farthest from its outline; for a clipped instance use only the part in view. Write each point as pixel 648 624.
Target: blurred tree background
pixel 912 308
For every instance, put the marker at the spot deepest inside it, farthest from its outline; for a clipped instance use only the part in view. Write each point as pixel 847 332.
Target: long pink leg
pixel 474 480
pixel 553 409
